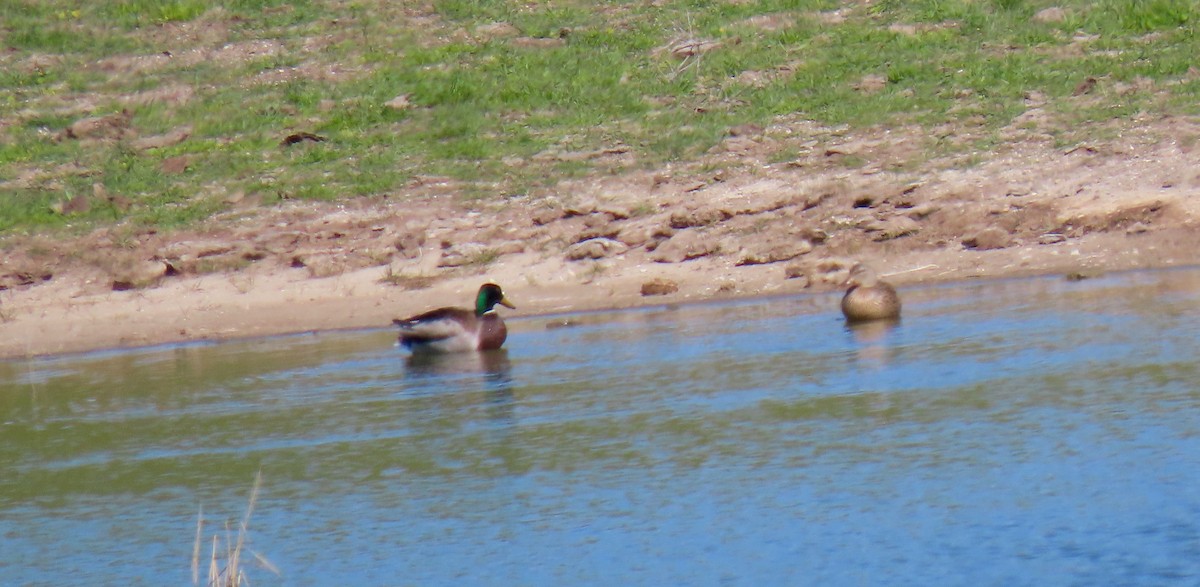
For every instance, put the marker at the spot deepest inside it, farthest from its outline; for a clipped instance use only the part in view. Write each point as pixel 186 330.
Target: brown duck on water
pixel 458 329
pixel 868 298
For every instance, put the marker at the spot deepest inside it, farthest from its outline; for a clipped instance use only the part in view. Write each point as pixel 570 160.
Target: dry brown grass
pixel 225 565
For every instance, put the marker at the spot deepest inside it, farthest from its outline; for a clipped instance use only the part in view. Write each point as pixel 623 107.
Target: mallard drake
pixel 868 298
pixel 458 329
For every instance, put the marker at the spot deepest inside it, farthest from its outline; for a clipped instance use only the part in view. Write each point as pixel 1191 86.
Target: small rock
pixel 601 222
pixel 23 278
pixel 1137 228
pixel 635 235
pixel 79 204
pixel 214 250
pixel 640 233
pixel 920 211
pixel 685 245
pixel 891 228
pixel 497 30
pixel 1050 15
pixel 743 130
pixel 111 126
pixel 1051 238
pixel 738 144
pixel 615 211
pixel 539 42
pixel 606 230
pixel 1082 275
pixel 797 271
pixel 743 205
pixel 659 287
pixel 775 252
pixel 546 216
pixel 692 48
pixel 400 102
pixel 165 140
pixel 698 217
pixel 988 239
pixel 320 264
pixel 871 83
pixel 510 247
pixel 1085 87
pixel 300 137
pixel 831 271
pixel 842 221
pixel 175 165
pixel 119 202
pixel 815 234
pixel 580 208
pixel 460 254
pixel 596 248
pixel 142 275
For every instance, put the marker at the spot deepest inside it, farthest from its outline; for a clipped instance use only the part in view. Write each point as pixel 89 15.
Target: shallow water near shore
pixel 1032 431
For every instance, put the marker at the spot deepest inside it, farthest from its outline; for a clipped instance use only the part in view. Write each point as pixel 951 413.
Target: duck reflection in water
pixel 493 365
pixel 871 339
pixel 465 375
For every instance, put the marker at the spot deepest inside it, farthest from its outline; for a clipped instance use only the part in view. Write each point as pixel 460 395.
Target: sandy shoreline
pixel 55 318
pixel 754 228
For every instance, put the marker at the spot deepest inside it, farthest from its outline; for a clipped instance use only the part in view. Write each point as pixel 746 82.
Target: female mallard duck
pixel 458 329
pixel 869 298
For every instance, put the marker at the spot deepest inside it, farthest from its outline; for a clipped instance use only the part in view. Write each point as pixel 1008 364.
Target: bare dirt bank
pixel 757 226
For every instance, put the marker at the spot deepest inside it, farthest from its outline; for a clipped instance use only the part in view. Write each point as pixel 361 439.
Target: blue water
pixel 1021 432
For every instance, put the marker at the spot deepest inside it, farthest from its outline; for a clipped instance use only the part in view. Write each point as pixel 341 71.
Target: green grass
pixel 479 103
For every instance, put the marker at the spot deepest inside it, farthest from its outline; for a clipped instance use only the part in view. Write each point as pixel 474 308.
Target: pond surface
pixel 1022 432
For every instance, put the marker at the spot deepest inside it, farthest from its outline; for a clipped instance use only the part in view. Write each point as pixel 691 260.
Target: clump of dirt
pixel 110 126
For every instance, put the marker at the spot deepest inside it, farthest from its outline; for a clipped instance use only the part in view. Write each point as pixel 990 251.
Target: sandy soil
pixel 758 226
